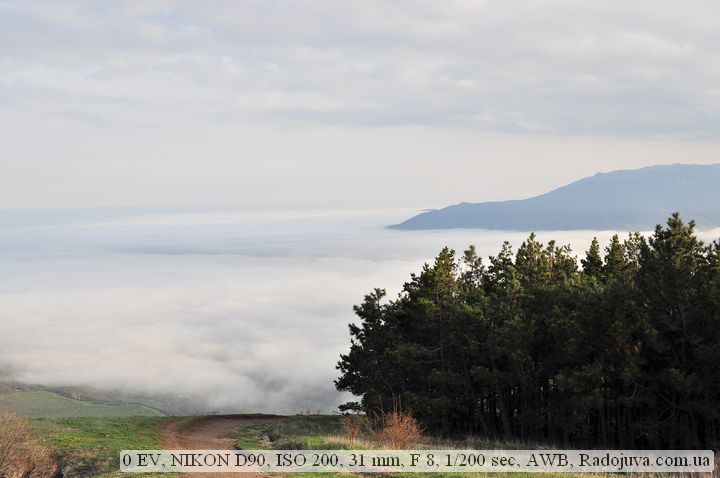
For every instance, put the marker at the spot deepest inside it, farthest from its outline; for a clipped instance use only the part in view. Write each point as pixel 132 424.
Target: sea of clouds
pixel 229 311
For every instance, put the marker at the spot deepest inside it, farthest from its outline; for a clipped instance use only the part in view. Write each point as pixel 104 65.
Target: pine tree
pixel 593 263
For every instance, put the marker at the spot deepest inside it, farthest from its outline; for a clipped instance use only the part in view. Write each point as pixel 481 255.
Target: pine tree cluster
pixel 621 352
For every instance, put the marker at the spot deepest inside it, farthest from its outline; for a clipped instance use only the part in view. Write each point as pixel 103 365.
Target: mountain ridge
pixel 634 199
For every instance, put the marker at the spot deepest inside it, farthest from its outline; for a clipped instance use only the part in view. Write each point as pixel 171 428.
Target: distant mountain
pixel 623 200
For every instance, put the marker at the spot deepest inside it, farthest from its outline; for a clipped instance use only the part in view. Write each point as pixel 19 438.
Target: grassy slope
pixel 43 404
pixel 87 437
pixel 91 446
pixel 167 405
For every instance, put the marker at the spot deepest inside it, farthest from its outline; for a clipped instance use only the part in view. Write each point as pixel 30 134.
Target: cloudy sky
pixel 345 102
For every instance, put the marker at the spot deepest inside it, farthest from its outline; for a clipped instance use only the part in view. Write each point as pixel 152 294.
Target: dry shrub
pixel 399 430
pixel 352 426
pixel 22 455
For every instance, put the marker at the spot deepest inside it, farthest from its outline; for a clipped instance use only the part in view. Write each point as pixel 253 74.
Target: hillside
pixel 631 199
pixel 43 404
pixel 77 401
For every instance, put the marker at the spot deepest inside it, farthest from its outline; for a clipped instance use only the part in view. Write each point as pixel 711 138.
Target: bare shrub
pixel 399 430
pixel 352 426
pixel 22 455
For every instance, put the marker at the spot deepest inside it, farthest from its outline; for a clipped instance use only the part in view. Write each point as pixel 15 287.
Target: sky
pixel 420 103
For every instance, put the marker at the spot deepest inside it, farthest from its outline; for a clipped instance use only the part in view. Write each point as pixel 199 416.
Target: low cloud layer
pixel 227 311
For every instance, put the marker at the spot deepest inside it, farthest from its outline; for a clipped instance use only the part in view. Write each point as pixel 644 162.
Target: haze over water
pixel 233 311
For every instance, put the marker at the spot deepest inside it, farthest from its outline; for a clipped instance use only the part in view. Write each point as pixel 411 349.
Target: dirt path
pixel 208 433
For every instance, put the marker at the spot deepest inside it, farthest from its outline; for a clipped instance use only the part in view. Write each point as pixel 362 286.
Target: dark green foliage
pixel 593 263
pixel 621 353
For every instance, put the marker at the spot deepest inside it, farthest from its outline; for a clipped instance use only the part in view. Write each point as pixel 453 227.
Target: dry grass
pixel 342 442
pixel 396 430
pixel 22 455
pixel 353 426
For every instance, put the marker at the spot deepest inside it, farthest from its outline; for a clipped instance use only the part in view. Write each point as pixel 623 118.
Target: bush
pixel 352 426
pixel 399 431
pixel 22 455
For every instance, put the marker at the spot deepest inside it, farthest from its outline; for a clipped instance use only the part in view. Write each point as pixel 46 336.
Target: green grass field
pixel 90 446
pixel 44 404
pixel 86 436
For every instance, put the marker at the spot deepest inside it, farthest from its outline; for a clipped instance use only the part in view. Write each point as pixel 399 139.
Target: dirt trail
pixel 208 433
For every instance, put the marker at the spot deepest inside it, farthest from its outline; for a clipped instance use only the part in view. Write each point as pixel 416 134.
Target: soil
pixel 215 432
